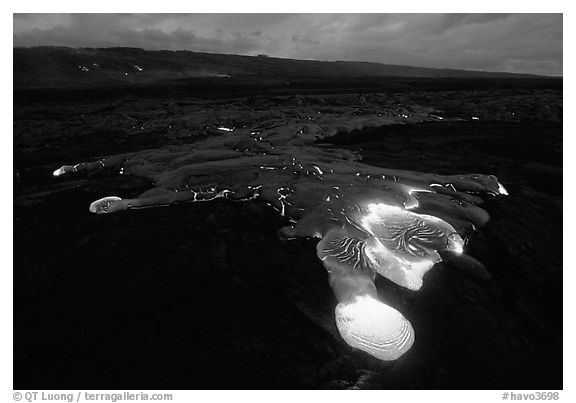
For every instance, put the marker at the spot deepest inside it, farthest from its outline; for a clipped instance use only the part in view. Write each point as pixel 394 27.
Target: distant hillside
pixel 60 67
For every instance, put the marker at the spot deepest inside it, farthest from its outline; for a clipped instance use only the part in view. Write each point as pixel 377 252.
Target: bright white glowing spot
pixel 403 245
pixel 388 263
pixel 502 190
pixel 459 249
pixel 138 68
pixel 374 327
pixel 455 244
pixel 83 68
pixel 411 203
pixel 381 208
pixel 475 118
pixel 64 170
pixel 412 190
pixel 318 169
pixel 225 129
pixel 104 205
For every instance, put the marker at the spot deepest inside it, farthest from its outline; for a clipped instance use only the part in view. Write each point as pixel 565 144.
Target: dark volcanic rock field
pixel 205 295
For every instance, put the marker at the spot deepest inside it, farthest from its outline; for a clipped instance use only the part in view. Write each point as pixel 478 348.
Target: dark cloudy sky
pixel 523 43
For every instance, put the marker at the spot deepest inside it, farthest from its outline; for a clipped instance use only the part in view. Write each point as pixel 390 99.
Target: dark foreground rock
pixel 206 296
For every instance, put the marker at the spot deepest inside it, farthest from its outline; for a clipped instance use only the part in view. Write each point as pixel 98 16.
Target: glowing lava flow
pixel 404 245
pixel 371 221
pixel 374 327
pixel 396 243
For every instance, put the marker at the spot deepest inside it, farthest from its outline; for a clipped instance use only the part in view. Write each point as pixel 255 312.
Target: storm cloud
pixel 520 43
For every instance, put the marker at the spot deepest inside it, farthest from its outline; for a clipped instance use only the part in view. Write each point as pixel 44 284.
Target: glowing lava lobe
pixel 107 204
pixel 404 245
pixel 398 244
pixel 374 327
pixel 363 321
pixel 394 242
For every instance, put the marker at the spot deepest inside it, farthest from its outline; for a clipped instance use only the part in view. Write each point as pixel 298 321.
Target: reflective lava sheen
pixel 370 221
